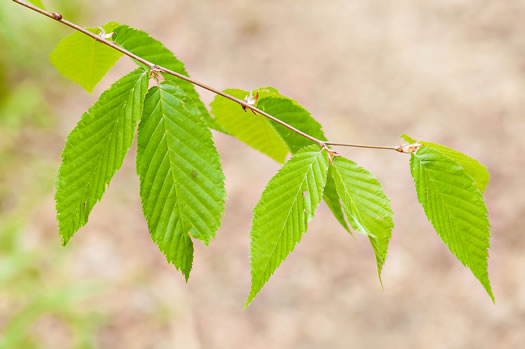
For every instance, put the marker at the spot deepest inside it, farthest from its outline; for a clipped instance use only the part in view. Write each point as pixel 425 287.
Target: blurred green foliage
pixel 34 286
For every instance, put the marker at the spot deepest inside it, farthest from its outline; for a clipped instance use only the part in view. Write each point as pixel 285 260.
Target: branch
pixel 245 105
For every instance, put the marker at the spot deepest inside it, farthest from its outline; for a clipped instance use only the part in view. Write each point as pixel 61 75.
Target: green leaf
pixel 141 44
pixel 254 130
pixel 455 208
pixel 289 111
pixel 95 150
pixel 408 139
pixel 286 206
pixel 269 137
pixel 366 206
pixel 473 167
pixel 261 133
pixel 83 59
pixel 37 3
pixel 181 180
pixel 331 197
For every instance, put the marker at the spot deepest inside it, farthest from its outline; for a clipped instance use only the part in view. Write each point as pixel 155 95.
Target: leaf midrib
pixel 100 155
pixel 445 205
pixel 163 118
pixel 368 233
pixel 288 217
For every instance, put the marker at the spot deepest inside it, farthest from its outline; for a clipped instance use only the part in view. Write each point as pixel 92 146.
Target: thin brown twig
pixel 324 145
pixel 396 147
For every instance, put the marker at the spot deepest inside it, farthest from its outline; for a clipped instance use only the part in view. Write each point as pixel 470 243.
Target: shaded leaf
pixel 366 206
pixel 254 130
pixel 331 197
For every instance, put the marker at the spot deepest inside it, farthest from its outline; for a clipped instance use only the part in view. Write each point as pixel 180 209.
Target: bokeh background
pixel 448 71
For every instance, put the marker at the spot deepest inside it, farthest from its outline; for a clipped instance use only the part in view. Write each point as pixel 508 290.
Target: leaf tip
pixel 250 299
pixel 408 138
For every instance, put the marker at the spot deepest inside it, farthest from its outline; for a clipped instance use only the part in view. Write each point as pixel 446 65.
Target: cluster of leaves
pixel 182 183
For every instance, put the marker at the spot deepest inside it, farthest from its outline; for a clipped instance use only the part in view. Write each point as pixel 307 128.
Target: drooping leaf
pixel 254 130
pixel 366 206
pixel 83 59
pixel 473 167
pixel 455 207
pixel 286 206
pixel 141 44
pixel 95 150
pixel 331 197
pixel 181 180
pixel 267 136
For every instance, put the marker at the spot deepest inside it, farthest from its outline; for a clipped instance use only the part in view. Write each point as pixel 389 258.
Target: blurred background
pixel 447 71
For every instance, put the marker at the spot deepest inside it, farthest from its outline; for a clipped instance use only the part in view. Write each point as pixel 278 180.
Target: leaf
pixel 83 59
pixel 366 206
pixel 331 197
pixel 141 44
pixel 37 3
pixel 473 167
pixel 289 111
pixel 455 208
pixel 181 180
pixel 408 139
pixel 254 130
pixel 95 150
pixel 265 136
pixel 282 214
pixel 230 115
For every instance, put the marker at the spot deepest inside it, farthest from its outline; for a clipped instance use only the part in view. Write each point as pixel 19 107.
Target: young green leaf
pixel 366 206
pixel 331 197
pixel 83 59
pixel 254 130
pixel 289 111
pixel 230 115
pixel 408 138
pixel 473 167
pixel 95 150
pixel 181 180
pixel 152 50
pixel 37 3
pixel 455 207
pixel 269 137
pixel 286 206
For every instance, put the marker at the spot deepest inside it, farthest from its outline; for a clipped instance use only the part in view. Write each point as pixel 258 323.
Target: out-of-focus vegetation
pixel 35 294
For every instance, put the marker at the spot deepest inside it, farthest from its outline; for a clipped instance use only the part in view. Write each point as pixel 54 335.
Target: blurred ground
pixel 449 71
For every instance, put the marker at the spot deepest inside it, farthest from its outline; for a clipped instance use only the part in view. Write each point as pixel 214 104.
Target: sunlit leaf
pixel 181 180
pixel 95 150
pixel 83 59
